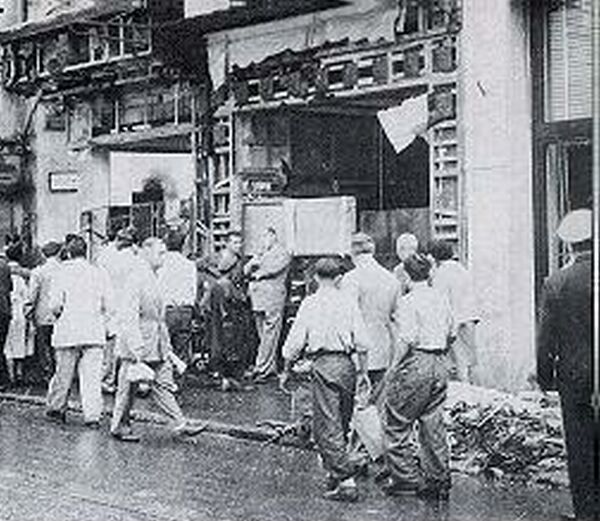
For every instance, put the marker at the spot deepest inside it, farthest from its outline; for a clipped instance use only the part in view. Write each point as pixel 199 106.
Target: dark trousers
pixel 230 335
pixel 44 352
pixel 179 322
pixel 4 323
pixel 415 392
pixel 578 419
pixel 334 384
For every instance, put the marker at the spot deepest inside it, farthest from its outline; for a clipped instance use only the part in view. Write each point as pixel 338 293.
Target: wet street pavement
pixel 64 473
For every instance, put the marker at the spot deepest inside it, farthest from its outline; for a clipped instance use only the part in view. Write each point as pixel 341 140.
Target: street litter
pixel 515 437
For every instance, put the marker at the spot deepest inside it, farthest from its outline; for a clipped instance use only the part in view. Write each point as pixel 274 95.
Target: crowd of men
pixel 124 322
pixel 365 337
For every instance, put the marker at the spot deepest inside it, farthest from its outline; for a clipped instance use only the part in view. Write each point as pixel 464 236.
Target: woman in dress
pixel 19 340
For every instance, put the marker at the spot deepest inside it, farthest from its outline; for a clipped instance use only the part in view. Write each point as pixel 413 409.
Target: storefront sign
pixel 262 183
pixel 63 181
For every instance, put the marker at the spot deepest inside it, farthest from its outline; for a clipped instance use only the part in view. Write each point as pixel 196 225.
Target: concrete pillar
pixel 497 128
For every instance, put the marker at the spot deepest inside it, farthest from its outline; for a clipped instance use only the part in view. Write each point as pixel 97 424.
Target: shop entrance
pixel 341 149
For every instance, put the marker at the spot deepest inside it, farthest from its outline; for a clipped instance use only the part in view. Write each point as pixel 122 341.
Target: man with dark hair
pixel 268 292
pixel 230 317
pixel 329 330
pixel 178 282
pixel 39 310
pixel 416 388
pixel 6 288
pixel 453 280
pixel 81 300
pixel 564 357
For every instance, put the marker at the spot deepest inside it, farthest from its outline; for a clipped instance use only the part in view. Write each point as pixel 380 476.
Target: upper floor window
pixel 418 16
pixel 568 71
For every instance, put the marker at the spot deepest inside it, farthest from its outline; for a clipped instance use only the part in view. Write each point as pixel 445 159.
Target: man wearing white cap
pixel 564 356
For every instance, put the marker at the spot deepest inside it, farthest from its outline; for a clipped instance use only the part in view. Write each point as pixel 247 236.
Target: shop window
pixel 569 60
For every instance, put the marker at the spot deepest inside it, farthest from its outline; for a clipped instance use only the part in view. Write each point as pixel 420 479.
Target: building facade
pixel 212 119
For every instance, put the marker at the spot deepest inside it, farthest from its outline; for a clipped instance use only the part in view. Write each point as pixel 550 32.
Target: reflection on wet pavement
pixel 64 473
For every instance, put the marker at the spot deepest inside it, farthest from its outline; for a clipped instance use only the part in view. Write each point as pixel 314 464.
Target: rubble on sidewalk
pixel 515 437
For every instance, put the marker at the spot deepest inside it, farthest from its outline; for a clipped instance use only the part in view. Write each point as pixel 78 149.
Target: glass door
pixel 569 187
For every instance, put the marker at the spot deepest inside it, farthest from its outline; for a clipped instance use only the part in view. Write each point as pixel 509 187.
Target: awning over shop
pixel 183 38
pixel 352 21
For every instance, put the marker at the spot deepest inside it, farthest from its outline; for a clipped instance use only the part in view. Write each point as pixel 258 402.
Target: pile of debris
pixel 516 437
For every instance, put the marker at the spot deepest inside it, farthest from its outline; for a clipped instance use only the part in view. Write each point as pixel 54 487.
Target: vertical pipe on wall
pixel 596 200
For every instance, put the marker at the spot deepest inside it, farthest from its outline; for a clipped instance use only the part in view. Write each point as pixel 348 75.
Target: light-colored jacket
pixel 178 280
pixel 268 290
pixel 142 331
pixel 40 284
pixel 119 265
pixel 82 300
pixel 453 280
pixel 378 293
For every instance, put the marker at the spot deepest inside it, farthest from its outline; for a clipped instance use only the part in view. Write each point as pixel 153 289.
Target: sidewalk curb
pixel 245 432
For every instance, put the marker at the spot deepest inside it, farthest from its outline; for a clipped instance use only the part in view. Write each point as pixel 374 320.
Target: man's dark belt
pixel 431 351
pixel 321 354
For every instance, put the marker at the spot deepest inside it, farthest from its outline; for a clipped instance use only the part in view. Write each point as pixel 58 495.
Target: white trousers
pixel 87 361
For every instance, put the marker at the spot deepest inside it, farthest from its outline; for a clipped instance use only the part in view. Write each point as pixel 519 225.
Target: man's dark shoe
pixel 382 476
pixel 331 483
pixel 94 424
pixel 347 492
pixel 126 437
pixel 263 379
pixel 57 416
pixel 436 490
pixel 395 487
pixel 362 469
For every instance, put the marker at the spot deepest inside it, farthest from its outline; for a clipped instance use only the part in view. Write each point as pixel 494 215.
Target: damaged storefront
pixel 111 125
pixel 371 103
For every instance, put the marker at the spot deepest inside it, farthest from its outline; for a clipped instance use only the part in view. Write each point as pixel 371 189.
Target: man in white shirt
pixel 178 283
pixel 39 310
pixel 416 389
pixel 81 300
pixel 453 280
pixel 329 330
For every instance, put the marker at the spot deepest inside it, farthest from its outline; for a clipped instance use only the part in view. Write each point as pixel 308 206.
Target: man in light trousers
pixel 268 291
pixel 143 337
pixel 82 302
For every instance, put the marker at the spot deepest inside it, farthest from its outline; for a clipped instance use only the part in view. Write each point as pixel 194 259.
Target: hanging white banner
pixel 402 124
